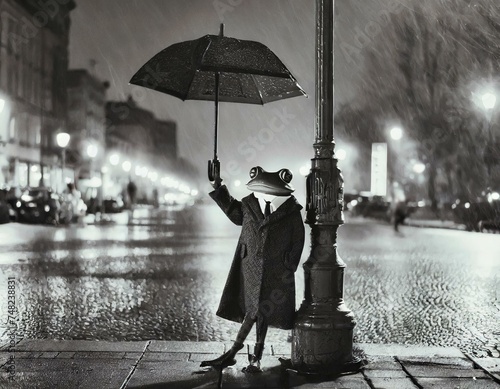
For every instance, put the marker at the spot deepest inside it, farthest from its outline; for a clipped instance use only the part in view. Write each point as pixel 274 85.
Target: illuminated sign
pixel 379 169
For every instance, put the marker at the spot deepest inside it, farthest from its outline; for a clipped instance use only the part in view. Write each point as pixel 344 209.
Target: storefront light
pixel 126 166
pixel 114 159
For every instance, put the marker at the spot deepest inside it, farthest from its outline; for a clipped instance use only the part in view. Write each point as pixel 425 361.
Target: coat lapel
pixel 254 206
pixel 284 210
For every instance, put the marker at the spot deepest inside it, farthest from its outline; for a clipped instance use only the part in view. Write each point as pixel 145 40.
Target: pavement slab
pixel 457 383
pixel 174 374
pixel 392 383
pixel 165 357
pixel 385 374
pixel 492 365
pixel 443 372
pixel 186 347
pixel 79 345
pixel 405 351
pixel 67 373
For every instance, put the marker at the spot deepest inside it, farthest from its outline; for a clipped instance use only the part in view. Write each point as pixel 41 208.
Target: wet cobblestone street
pixel 161 278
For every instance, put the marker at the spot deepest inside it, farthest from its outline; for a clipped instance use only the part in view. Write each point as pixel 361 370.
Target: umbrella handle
pixel 214 170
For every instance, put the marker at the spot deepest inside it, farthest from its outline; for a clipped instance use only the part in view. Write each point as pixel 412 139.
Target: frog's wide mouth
pixel 268 189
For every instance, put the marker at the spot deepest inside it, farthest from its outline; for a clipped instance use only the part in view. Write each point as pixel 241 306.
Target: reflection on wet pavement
pixel 162 276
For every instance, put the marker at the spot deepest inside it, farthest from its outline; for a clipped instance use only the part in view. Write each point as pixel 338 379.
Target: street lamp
pixel 341 154
pixel 114 159
pixel 126 166
pixel 394 151
pixel 92 150
pixel 62 140
pixel 419 168
pixel 396 133
pixel 489 100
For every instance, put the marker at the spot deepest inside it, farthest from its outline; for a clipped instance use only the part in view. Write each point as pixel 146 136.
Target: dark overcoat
pixel 261 278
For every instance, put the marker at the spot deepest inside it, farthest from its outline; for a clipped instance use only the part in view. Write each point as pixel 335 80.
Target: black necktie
pixel 267 210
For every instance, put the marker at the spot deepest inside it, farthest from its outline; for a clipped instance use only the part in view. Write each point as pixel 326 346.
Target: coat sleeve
pixel 297 241
pixel 230 206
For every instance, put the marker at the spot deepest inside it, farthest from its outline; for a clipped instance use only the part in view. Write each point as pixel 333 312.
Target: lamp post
pixel 396 134
pixel 62 140
pixel 92 154
pixel 490 153
pixel 323 331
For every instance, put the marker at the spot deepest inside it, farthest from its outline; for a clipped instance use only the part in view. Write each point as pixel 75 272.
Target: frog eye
pixel 255 171
pixel 286 175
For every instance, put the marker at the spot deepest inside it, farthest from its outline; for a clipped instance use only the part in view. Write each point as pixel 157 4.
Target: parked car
pixel 7 213
pixel 113 205
pixel 38 205
pixel 11 195
pixel 369 206
pixel 4 212
pixel 479 215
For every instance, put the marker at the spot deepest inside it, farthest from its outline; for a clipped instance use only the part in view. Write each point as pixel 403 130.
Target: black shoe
pixel 225 360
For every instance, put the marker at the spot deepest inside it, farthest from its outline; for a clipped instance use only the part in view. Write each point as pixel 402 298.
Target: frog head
pixel 272 183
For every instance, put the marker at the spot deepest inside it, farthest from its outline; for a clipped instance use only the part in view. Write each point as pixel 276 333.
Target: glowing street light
pixel 304 170
pixel 114 159
pixel 92 150
pixel 341 154
pixel 62 140
pixel 396 133
pixel 489 100
pixel 126 166
pixel 419 168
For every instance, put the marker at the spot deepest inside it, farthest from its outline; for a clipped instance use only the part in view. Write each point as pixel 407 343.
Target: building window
pixel 38 136
pixel 12 128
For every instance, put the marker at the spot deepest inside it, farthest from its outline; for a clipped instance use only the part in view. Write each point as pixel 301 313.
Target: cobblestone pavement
pixel 45 364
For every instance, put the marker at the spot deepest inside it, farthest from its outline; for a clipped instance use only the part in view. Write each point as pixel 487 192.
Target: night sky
pixel 121 35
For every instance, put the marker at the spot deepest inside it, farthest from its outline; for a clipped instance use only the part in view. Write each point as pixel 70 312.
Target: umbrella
pixel 219 68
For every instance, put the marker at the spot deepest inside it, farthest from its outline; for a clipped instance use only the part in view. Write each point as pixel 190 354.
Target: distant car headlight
pixel 46 208
pixel 31 205
pixel 18 204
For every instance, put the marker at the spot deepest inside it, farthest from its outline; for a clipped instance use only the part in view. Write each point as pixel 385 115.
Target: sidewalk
pixel 447 224
pixel 46 364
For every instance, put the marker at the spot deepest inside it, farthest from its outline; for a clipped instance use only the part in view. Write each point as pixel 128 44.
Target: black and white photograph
pixel 249 194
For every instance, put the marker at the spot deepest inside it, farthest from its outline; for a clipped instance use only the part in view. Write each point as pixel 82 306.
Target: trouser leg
pixel 245 328
pixel 227 359
pixel 261 329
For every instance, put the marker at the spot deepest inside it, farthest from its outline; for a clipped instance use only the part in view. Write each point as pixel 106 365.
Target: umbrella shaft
pixel 217 77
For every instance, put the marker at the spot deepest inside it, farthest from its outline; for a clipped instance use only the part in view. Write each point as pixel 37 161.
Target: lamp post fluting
pixel 323 332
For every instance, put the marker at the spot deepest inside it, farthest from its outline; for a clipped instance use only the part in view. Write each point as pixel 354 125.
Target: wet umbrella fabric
pixel 219 68
pixel 249 72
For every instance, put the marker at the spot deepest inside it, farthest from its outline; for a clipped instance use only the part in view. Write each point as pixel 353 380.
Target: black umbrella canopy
pixel 249 72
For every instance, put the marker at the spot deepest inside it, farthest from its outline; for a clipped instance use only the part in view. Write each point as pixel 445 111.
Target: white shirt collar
pixel 276 201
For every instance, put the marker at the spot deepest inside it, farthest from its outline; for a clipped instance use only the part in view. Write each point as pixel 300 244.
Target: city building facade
pixel 86 150
pixel 142 149
pixel 33 89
